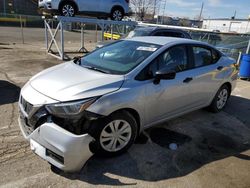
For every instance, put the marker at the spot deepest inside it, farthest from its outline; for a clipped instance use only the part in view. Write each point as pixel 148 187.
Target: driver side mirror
pixel 164 74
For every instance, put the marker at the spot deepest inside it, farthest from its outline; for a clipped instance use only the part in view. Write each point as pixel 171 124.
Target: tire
pixel 108 144
pixel 68 9
pixel 220 100
pixel 55 170
pixel 117 14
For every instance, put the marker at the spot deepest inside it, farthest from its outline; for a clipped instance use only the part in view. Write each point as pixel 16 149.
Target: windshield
pixel 120 57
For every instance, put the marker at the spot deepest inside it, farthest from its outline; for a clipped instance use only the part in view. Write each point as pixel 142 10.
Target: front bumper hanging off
pixel 59 147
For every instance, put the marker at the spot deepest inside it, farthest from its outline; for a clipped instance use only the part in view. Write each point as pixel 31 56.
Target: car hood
pixel 68 81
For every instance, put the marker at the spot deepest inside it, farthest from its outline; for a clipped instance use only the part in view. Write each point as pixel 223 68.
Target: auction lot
pixel 213 149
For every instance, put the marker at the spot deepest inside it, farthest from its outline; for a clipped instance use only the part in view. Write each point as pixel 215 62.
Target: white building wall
pixel 227 25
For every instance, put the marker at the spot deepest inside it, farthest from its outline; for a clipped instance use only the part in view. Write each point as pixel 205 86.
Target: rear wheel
pixel 114 134
pixel 68 9
pixel 117 14
pixel 220 100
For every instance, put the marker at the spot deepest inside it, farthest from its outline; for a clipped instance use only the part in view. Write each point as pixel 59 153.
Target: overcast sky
pixel 212 8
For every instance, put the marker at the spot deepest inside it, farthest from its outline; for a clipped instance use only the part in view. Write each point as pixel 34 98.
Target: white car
pixel 115 9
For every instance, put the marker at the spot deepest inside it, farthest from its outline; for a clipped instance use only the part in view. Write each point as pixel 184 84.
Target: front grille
pixel 27 107
pixel 31 116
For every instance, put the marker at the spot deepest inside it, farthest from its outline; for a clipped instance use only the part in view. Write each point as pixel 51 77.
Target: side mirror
pixel 164 74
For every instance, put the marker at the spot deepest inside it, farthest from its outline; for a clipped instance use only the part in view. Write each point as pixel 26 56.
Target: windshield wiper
pixel 95 69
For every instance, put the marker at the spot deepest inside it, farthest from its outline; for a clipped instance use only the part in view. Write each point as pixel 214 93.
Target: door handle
pixel 187 80
pixel 219 68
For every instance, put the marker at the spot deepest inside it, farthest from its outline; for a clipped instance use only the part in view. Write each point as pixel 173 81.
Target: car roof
pixel 153 28
pixel 164 40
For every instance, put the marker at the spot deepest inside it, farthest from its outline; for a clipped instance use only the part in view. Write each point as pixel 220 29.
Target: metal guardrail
pixel 232 44
pixel 63 21
pixel 229 43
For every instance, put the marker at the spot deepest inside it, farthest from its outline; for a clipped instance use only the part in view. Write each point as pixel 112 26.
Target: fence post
pixel 21 25
pixel 248 47
pixel 46 35
pixel 62 39
pixel 96 33
pixel 239 57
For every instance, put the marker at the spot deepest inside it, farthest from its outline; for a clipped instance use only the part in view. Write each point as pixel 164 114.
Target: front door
pixel 169 97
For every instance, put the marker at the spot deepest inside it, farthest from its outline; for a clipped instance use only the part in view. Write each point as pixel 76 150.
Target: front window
pixel 175 59
pixel 120 57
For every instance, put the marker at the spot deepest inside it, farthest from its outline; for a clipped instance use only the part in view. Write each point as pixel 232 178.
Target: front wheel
pixel 114 134
pixel 68 9
pixel 220 100
pixel 117 14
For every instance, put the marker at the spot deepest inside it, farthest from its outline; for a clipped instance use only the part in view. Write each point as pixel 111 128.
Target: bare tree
pixel 143 7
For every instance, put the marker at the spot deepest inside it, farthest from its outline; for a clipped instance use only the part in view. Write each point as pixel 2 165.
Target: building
pixel 25 7
pixel 227 25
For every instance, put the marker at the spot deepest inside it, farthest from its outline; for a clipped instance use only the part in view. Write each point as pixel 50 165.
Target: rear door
pixel 207 74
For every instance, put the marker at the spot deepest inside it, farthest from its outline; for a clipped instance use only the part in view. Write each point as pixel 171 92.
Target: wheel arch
pixel 71 1
pixel 117 7
pixel 229 85
pixel 135 114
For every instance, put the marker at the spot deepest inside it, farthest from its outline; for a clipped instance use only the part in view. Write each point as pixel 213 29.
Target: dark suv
pixel 151 31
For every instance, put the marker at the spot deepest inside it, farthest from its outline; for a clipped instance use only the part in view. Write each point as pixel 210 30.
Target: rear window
pixel 139 33
pixel 169 34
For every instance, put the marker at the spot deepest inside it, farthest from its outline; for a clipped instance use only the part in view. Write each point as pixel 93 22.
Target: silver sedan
pixel 100 103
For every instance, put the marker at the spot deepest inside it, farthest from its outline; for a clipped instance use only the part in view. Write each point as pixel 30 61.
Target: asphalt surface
pixel 213 150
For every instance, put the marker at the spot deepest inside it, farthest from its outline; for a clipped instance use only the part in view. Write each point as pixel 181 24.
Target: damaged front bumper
pixel 62 148
pixel 59 147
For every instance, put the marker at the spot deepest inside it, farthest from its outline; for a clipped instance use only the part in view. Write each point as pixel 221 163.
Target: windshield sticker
pixel 144 48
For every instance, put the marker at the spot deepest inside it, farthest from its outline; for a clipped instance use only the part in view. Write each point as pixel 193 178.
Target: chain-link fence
pixel 17 19
pixel 228 43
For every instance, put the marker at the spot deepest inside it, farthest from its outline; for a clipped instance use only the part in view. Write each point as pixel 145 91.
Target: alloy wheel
pixel 68 10
pixel 117 15
pixel 222 99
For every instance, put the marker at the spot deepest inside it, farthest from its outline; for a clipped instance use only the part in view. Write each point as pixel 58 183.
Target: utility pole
pixel 4 7
pixel 234 15
pixel 235 12
pixel 162 20
pixel 202 6
pixel 154 8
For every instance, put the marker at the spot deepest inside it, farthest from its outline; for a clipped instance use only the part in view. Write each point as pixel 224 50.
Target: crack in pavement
pixel 12 115
pixel 7 77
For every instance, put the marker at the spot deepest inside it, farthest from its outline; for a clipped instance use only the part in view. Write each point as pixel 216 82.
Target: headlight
pixel 70 108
